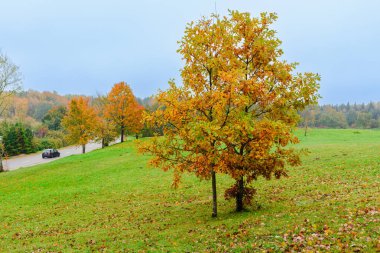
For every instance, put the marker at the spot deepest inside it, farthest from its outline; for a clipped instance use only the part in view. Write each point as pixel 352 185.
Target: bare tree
pixel 10 81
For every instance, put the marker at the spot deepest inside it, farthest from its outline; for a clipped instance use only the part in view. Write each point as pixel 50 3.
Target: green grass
pixel 110 200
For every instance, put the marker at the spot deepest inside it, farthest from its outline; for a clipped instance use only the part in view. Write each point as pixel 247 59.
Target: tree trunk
pixel 103 143
pixel 239 195
pixel 306 128
pixel 1 156
pixel 1 165
pixel 83 148
pixel 122 134
pixel 214 197
pixel 137 136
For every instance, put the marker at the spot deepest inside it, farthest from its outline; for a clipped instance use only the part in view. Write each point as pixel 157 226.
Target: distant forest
pixel 32 120
pixel 32 108
pixel 342 116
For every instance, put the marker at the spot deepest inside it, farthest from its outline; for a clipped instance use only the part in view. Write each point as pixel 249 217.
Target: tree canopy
pixel 80 122
pixel 237 108
pixel 123 110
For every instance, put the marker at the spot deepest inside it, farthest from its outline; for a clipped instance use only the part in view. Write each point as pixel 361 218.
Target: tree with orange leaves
pixel 106 131
pixel 123 110
pixel 136 123
pixel 80 122
pixel 237 108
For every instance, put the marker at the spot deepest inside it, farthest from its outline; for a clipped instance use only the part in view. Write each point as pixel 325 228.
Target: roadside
pixel 20 161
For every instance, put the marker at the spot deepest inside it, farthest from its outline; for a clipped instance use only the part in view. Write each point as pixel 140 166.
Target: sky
pixel 86 46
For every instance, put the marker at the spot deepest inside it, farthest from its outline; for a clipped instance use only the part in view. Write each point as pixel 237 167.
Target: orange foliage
pixel 123 110
pixel 80 121
pixel 106 130
pixel 237 108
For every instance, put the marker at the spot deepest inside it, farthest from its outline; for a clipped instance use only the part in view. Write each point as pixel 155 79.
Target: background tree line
pixel 342 116
pixel 32 120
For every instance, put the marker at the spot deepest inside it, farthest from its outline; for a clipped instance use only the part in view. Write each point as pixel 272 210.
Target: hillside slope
pixel 109 200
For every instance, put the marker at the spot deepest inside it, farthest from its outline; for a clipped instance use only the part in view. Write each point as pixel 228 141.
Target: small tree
pixel 10 82
pixel 123 110
pixel 106 130
pixel 136 124
pixel 237 108
pixel 80 122
pixel 151 105
pixel 308 118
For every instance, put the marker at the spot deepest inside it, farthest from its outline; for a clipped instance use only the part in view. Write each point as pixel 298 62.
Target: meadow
pixel 110 200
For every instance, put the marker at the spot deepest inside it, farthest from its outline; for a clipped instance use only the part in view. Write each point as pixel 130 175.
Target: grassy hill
pixel 110 200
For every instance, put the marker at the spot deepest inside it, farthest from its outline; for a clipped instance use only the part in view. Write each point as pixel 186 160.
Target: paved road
pixel 17 162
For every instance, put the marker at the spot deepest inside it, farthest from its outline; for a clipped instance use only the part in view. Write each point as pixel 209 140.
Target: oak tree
pixel 80 122
pixel 106 130
pixel 237 108
pixel 123 110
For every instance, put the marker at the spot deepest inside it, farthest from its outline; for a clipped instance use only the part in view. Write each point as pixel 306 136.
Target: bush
pixel 60 136
pixel 45 143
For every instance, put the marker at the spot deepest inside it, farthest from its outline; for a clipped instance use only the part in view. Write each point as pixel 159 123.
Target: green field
pixel 110 200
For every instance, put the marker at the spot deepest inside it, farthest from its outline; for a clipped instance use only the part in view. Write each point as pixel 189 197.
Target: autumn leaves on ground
pixel 81 204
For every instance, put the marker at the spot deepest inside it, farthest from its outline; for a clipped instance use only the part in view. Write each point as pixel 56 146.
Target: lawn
pixel 110 200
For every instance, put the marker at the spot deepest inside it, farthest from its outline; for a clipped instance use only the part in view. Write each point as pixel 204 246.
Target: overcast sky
pixel 85 46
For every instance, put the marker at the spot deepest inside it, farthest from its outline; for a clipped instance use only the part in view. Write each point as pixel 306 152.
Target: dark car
pixel 50 153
